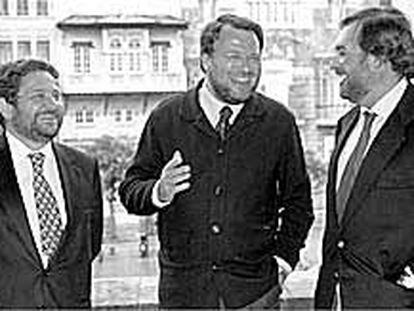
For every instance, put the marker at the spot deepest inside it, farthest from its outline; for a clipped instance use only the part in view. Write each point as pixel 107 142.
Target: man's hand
pixel 407 278
pixel 174 178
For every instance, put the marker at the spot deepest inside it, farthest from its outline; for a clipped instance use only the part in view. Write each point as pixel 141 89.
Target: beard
pixel 46 126
pixel 231 93
pixel 351 90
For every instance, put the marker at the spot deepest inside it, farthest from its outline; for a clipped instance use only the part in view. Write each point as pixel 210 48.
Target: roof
pixel 122 21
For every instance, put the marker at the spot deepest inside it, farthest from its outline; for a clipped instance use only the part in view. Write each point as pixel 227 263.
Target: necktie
pixel 50 221
pixel 352 166
pixel 224 122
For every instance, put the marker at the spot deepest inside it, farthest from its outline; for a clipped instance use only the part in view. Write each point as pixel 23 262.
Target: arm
pixel 294 198
pixel 96 217
pixel 149 186
pixel 135 190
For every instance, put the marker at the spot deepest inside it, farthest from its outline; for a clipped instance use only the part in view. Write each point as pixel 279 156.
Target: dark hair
pixel 211 31
pixel 12 73
pixel 385 32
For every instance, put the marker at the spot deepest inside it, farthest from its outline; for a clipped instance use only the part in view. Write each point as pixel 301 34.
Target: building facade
pixel 114 67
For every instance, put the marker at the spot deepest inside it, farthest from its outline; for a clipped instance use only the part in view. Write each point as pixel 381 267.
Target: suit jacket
pixel 24 282
pixel 368 250
pixel 219 237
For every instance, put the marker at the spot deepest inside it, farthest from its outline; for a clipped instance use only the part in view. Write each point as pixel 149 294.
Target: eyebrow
pixel 340 47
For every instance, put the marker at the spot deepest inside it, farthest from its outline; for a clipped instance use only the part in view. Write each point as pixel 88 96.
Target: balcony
pixel 123 83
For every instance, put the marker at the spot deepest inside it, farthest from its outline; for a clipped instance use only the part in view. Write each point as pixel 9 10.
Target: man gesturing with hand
pixel 222 166
pixel 174 179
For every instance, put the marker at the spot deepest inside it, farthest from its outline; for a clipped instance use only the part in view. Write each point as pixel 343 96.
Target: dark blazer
pixel 219 237
pixel 67 280
pixel 368 250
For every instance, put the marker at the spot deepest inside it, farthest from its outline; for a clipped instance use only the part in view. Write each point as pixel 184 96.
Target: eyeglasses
pixel 238 60
pixel 41 96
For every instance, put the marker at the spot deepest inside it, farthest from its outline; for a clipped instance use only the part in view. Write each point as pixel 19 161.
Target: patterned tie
pixel 50 221
pixel 223 124
pixel 352 166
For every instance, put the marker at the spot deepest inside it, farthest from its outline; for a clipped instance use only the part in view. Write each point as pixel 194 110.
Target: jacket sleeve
pixel 294 198
pixel 95 221
pixel 136 188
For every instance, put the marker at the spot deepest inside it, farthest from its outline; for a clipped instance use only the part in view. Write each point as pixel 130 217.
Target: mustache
pixel 56 113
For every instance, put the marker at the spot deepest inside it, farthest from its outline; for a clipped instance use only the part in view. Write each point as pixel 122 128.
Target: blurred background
pixel 119 58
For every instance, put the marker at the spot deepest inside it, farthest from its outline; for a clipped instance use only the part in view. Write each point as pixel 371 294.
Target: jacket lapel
pixel 11 204
pixel 345 126
pixel 191 111
pixel 69 173
pixel 387 143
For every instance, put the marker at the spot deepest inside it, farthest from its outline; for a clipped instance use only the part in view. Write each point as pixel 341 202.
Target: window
pixel 115 61
pixel 23 49
pixel 89 116
pixel 4 7
pixel 134 55
pixel 22 7
pixel 82 57
pixel 84 116
pixel 160 56
pixel 128 116
pixel 79 116
pixel 42 8
pixel 43 49
pixel 254 10
pixel 117 114
pixel 6 52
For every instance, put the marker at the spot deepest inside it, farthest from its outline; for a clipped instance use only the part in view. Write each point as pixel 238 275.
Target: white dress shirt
pixel 382 109
pixel 24 173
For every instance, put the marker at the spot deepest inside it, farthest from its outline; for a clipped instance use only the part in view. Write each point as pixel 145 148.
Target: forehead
pixel 38 80
pixel 233 38
pixel 347 37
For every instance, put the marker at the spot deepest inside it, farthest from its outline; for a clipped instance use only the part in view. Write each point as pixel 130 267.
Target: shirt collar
pixel 20 150
pixel 384 107
pixel 212 106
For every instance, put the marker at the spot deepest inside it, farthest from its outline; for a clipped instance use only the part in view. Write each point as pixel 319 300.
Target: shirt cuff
pixel 283 265
pixel 154 196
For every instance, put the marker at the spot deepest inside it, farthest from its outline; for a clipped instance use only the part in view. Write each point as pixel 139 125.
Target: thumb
pixel 175 160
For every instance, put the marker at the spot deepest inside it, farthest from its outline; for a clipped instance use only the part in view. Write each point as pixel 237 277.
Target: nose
pixel 335 64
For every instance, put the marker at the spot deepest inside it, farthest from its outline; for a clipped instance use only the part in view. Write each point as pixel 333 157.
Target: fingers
pixel 174 178
pixel 176 160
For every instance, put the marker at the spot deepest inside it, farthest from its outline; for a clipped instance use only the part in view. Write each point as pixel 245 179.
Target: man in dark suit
pixel 50 197
pixel 223 167
pixel 368 245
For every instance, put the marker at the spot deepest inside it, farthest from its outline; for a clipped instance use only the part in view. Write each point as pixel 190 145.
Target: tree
pixel 114 155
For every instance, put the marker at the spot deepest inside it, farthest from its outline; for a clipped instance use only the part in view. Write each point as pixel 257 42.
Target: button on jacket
pixel 219 237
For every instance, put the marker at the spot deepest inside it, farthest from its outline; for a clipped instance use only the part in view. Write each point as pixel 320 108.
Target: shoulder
pixel 75 155
pixel 273 108
pixel 170 105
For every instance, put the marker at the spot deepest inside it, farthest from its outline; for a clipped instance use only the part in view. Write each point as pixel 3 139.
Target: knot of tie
pixel 37 160
pixel 225 113
pixel 369 118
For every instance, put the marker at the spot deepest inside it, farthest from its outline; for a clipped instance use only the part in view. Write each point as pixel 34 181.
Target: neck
pixel 33 145
pixel 382 87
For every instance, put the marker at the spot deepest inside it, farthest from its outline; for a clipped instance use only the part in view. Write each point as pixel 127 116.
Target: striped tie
pixel 352 166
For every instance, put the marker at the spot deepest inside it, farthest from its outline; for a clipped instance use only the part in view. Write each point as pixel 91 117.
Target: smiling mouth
pixel 47 118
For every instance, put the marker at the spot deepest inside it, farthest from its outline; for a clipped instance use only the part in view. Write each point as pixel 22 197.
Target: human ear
pixel 205 60
pixel 6 109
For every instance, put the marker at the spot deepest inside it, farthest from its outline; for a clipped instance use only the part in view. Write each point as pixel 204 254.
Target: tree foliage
pixel 114 155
